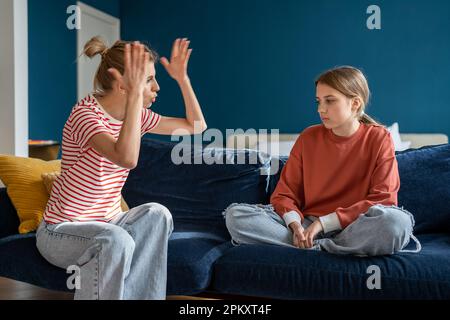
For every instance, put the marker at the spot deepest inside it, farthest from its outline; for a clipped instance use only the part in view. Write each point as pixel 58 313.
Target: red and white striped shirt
pixel 89 187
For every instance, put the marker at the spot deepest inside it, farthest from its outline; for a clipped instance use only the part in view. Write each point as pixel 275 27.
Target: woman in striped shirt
pixel 119 255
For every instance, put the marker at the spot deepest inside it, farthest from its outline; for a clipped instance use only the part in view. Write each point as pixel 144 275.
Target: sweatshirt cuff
pixel 290 217
pixel 330 222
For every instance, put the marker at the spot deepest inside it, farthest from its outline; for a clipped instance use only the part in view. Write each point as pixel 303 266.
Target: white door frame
pixel 14 77
pixel 115 22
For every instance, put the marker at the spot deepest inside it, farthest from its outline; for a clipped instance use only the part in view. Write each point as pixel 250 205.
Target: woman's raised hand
pixel 135 62
pixel 177 66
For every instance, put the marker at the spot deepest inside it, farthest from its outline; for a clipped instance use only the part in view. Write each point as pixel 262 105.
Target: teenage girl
pixel 120 255
pixel 338 189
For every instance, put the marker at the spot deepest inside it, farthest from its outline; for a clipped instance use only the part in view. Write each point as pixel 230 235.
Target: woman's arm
pixel 125 150
pixel 194 122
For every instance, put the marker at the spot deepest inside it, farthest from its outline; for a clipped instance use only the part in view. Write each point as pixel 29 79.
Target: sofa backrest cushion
pixel 198 192
pixel 424 186
pixel 9 220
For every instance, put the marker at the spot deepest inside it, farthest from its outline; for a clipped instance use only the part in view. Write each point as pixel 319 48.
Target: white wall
pixel 14 77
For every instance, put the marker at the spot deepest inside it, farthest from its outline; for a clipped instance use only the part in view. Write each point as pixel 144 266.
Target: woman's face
pixel 151 87
pixel 335 109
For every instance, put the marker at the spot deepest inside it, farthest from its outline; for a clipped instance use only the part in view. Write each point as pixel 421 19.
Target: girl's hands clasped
pixel 304 238
pixel 311 233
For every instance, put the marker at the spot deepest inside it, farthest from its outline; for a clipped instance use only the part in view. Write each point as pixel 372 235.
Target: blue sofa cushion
pixel 9 221
pixel 424 186
pixel 190 263
pixel 20 260
pixel 196 194
pixel 289 273
pixel 190 260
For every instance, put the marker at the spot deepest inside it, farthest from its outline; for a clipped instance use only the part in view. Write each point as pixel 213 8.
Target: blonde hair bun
pixel 95 46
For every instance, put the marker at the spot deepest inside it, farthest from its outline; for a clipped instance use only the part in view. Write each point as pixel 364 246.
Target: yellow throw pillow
pixel 50 177
pixel 22 178
pixel 27 189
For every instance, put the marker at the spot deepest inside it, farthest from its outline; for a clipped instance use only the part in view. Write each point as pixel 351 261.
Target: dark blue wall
pixel 254 61
pixel 52 64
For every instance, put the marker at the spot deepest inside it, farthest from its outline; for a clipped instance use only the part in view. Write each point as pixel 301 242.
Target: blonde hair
pixel 111 58
pixel 352 83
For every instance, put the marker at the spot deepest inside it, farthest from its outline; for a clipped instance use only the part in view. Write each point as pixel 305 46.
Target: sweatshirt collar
pixel 340 139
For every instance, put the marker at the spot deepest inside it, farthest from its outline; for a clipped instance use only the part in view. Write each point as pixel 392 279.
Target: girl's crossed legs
pixel 381 230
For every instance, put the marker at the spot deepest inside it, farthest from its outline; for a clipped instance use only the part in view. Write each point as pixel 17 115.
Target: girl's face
pixel 152 87
pixel 335 109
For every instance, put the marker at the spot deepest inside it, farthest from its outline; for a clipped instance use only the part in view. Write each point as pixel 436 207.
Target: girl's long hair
pixel 352 83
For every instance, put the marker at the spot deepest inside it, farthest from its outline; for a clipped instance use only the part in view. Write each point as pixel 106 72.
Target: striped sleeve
pixel 150 120
pixel 85 123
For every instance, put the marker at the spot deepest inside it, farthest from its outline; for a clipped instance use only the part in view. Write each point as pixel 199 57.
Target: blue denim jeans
pixel 382 230
pixel 123 259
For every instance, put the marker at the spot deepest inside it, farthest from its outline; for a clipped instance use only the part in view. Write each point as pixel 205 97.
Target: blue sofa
pixel 203 261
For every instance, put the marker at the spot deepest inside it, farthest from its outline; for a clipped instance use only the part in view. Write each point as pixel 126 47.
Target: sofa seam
pixel 345 272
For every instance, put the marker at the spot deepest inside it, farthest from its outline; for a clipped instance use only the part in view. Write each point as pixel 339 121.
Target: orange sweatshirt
pixel 337 178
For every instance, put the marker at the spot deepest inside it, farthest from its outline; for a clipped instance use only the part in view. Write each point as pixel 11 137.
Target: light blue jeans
pixel 382 230
pixel 123 259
